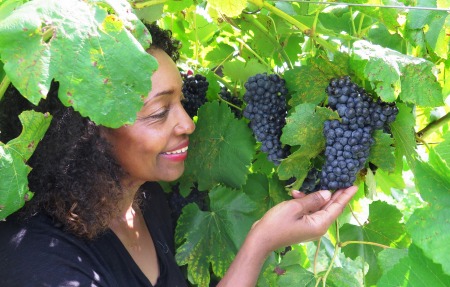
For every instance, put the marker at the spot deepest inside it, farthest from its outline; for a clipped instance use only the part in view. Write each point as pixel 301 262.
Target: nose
pixel 185 123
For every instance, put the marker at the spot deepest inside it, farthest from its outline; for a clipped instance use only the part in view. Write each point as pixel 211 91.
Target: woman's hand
pixel 304 218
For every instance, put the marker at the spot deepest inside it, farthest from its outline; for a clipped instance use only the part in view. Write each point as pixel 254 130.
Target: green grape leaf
pixel 176 6
pixel 340 277
pixel 383 227
pixel 385 181
pixel 221 148
pixel 288 272
pixel 13 156
pixel 307 83
pixel 404 135
pixel 304 128
pixel 411 269
pixel 435 25
pixel 103 70
pixel 382 152
pixel 240 71
pixel 443 149
pixel 429 226
pixel 265 192
pixel 231 8
pixel 219 53
pixel 394 75
pixel 213 237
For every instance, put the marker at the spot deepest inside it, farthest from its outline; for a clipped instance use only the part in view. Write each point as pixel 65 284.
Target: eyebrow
pixel 162 93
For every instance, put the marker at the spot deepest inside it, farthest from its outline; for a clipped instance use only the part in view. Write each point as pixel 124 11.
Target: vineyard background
pixel 395 232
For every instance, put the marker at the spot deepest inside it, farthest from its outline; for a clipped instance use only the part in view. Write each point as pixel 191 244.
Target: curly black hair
pixel 75 176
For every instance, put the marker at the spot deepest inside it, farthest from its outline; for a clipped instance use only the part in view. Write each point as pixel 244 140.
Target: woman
pixel 99 219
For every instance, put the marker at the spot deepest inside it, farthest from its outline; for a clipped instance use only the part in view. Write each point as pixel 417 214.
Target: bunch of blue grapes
pixel 194 91
pixel 266 109
pixel 348 140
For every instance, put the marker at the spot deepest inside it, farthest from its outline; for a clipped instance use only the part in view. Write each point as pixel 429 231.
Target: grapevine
pixel 194 91
pixel 348 141
pixel 266 109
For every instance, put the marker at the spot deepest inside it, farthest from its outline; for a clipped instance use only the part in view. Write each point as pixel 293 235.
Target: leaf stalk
pixel 433 127
pixel 4 85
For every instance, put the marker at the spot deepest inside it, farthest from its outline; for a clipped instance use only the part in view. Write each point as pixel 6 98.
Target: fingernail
pixel 326 194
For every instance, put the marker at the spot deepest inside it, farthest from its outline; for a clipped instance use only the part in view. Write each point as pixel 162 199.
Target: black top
pixel 39 253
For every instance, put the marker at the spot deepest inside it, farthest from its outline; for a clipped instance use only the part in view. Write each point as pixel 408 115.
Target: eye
pixel 160 114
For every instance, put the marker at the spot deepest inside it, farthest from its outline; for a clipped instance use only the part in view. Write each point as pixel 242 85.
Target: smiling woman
pixel 99 218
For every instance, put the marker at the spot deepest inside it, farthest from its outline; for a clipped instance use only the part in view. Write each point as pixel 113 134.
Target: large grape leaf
pixel 307 83
pixel 221 148
pixel 410 269
pixel 382 153
pixel 213 237
pixel 13 156
pixel 383 226
pixel 102 67
pixel 304 128
pixel 394 75
pixel 429 226
pixel 264 191
pixel 231 8
pixel 443 149
pixel 404 135
pixel 434 24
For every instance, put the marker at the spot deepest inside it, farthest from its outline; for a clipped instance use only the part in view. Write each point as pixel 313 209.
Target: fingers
pixel 339 200
pixel 314 201
pixel 298 194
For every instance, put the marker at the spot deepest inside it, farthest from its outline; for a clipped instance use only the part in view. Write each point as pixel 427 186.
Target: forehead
pixel 166 79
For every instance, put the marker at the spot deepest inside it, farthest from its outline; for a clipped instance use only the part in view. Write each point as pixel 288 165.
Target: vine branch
pixel 343 244
pixel 4 85
pixel 433 127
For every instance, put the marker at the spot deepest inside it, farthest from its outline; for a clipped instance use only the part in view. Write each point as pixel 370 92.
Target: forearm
pixel 246 266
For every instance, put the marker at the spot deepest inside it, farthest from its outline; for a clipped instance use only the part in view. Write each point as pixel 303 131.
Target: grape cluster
pixel 348 141
pixel 311 182
pixel 235 101
pixel 266 109
pixel 194 91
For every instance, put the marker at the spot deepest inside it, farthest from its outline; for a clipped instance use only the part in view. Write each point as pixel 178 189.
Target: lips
pixel 178 151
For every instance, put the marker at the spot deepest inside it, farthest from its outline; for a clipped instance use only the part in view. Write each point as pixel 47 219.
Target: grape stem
pixel 343 244
pixel 433 127
pixel 316 255
pixel 230 104
pixel 4 85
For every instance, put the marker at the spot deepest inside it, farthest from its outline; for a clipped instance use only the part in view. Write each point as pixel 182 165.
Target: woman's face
pixel 155 146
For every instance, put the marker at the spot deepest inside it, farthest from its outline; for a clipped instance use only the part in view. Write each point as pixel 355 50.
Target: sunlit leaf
pixel 86 50
pixel 394 75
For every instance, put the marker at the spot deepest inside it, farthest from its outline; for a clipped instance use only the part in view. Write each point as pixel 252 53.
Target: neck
pixel 126 212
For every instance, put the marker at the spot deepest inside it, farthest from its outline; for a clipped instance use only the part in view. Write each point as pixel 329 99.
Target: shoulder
pixel 39 253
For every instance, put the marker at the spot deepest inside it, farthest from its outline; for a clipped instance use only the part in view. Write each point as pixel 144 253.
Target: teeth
pixel 177 151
